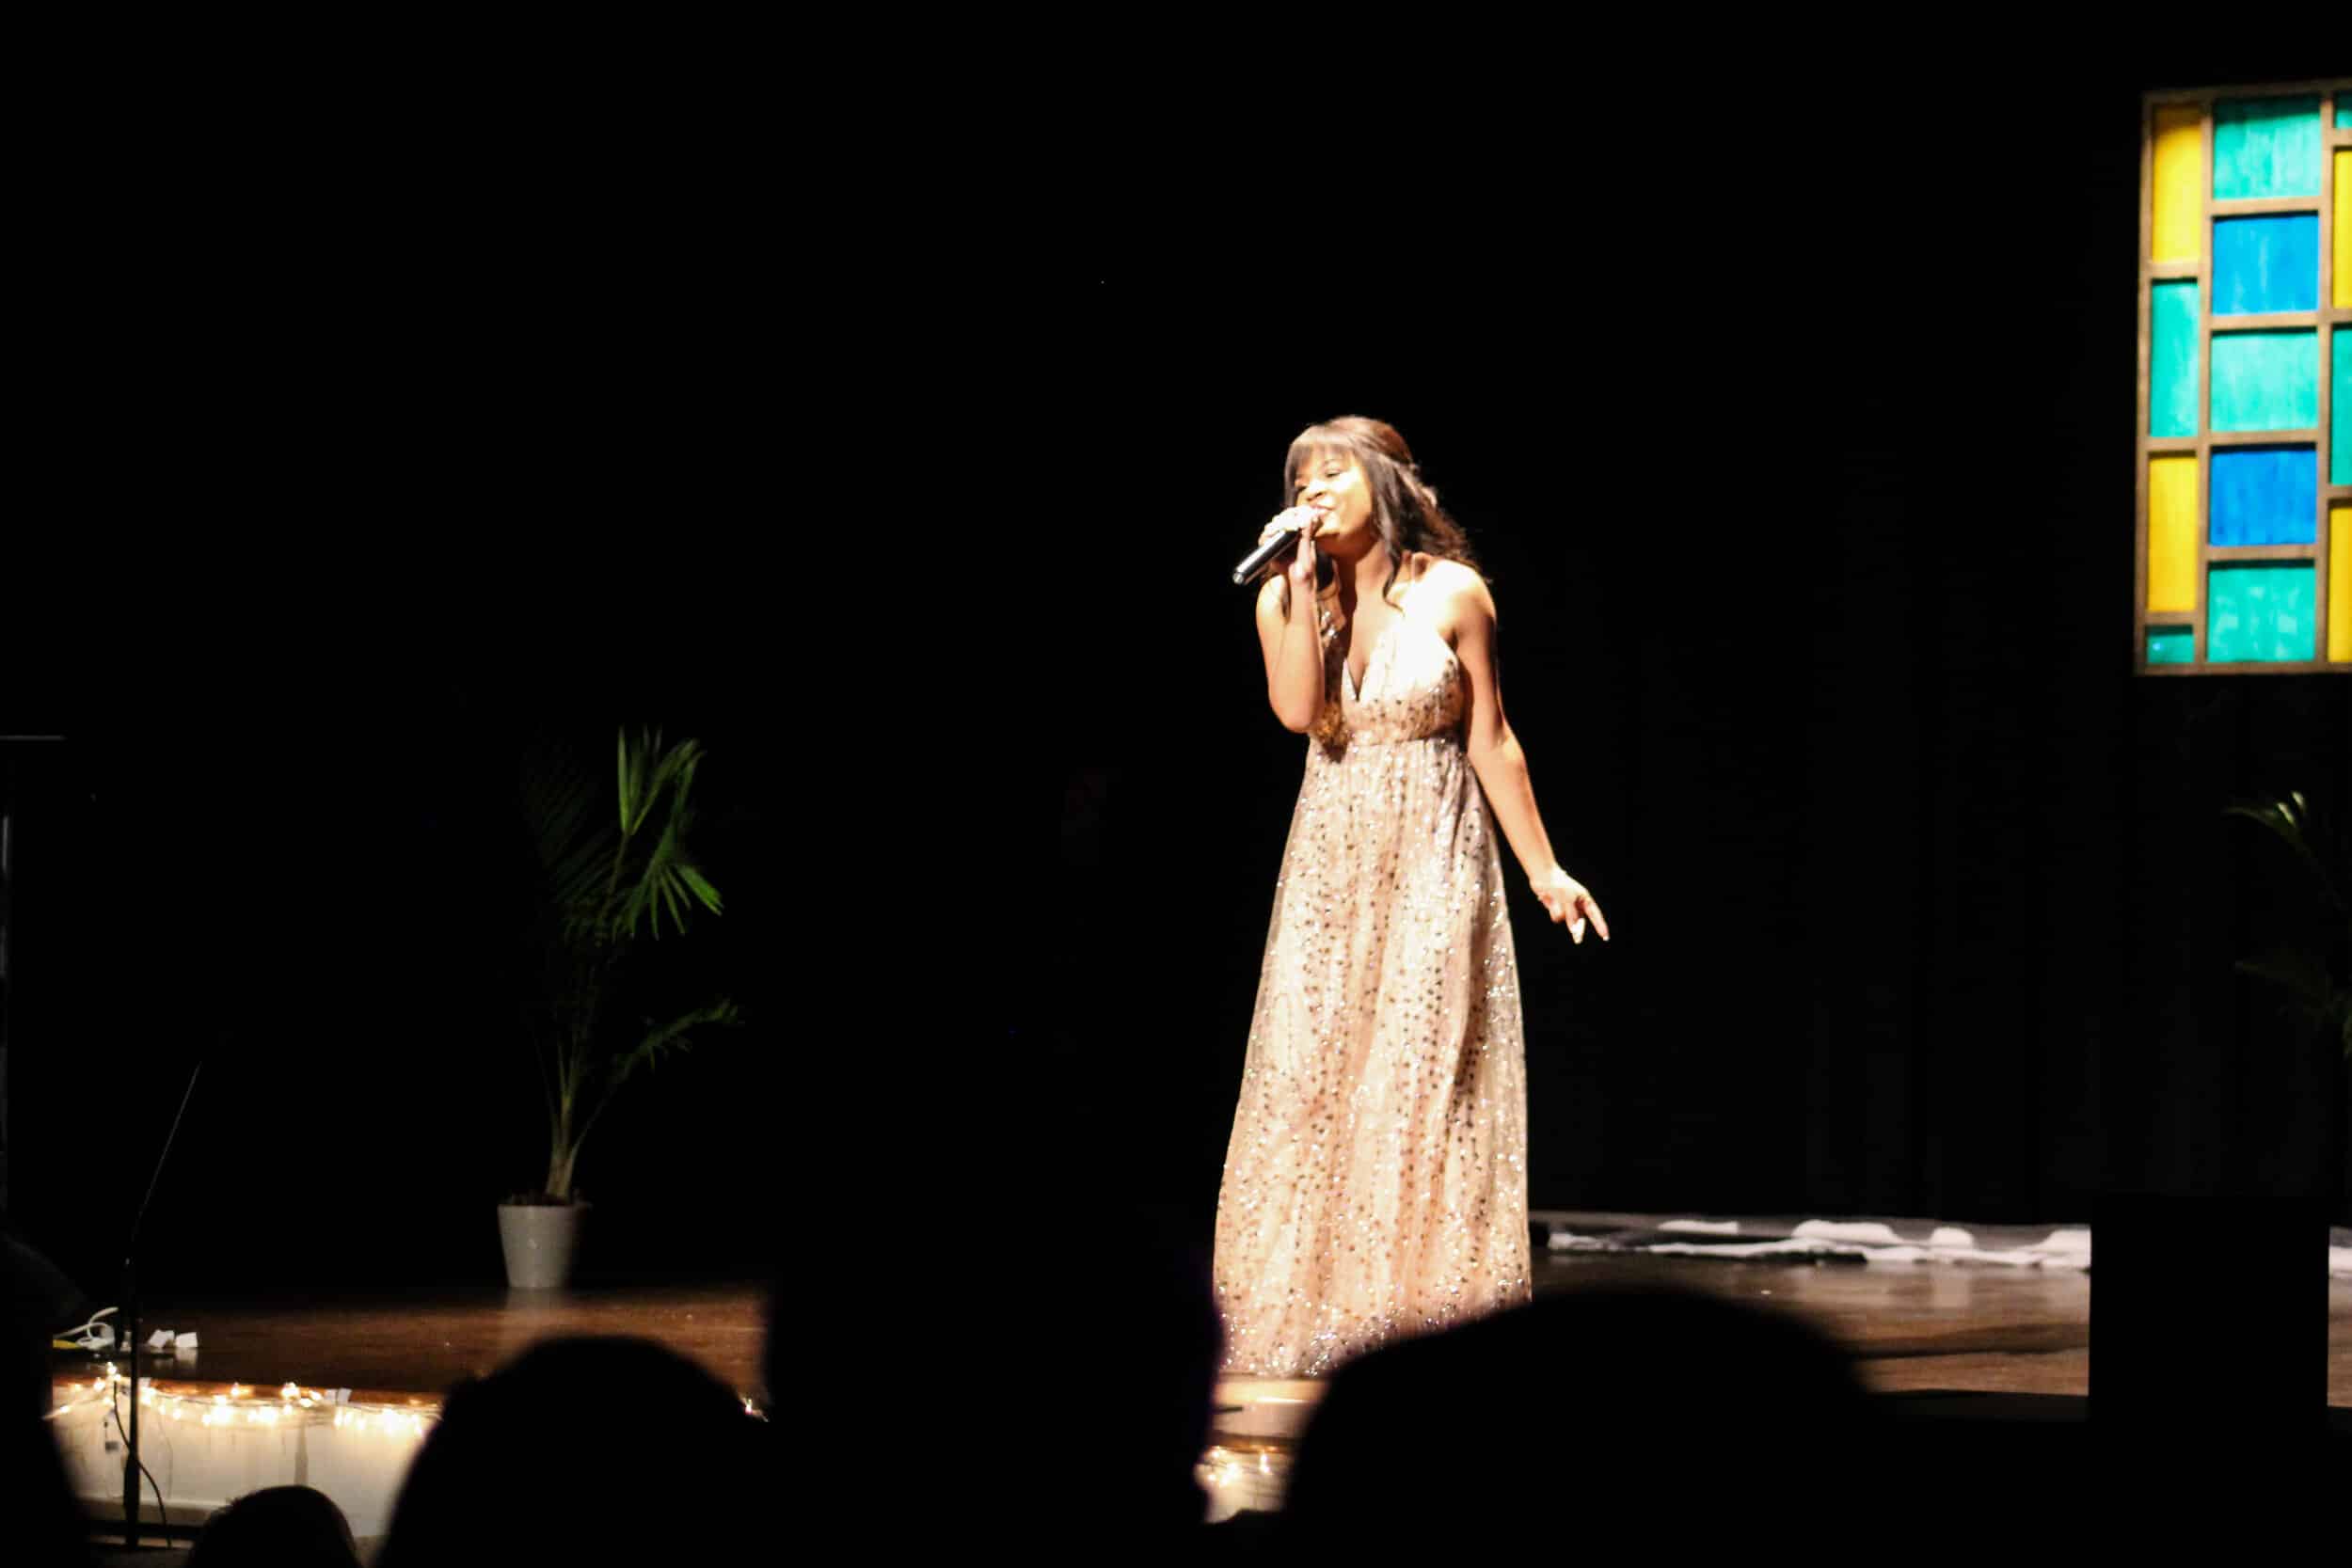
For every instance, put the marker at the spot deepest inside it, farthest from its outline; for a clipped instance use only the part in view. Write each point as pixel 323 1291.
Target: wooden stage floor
pixel 389 1345
pixel 1913 1327
pixel 1975 1328
pixel 1916 1326
pixel 1915 1330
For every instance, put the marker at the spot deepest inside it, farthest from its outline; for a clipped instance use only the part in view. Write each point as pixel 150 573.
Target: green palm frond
pixel 2309 835
pixel 633 781
pixel 608 865
pixel 675 1035
pixel 570 838
pixel 560 804
pixel 702 890
pixel 666 880
pixel 2321 996
pixel 2302 973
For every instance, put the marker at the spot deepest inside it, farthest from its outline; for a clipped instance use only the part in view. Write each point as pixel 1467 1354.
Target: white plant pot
pixel 541 1239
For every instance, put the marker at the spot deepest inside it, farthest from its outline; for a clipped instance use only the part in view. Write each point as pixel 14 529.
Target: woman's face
pixel 1333 485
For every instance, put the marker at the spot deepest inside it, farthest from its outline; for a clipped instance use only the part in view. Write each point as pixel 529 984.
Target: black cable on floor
pixel 163 1518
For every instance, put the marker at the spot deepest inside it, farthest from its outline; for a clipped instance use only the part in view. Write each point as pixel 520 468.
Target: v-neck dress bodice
pixel 1375 1182
pixel 1412 688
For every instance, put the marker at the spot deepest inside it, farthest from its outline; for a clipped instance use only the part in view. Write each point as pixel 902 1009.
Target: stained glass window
pixel 2245 510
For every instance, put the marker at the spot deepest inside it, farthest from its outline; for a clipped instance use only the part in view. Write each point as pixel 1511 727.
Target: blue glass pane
pixel 2265 263
pixel 2173 359
pixel 2260 613
pixel 2171 645
pixel 2266 380
pixel 2265 495
pixel 2265 146
pixel 2340 410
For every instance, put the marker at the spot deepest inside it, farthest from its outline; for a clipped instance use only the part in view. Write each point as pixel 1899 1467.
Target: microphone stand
pixel 130 1327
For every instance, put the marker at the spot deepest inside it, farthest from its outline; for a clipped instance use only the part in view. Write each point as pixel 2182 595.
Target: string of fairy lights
pixel 294 1407
pixel 1236 1479
pixel 291 1405
pixel 241 1406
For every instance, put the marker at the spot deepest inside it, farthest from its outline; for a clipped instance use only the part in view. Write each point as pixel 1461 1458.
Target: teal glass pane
pixel 2264 495
pixel 2343 114
pixel 2266 146
pixel 2260 614
pixel 2265 263
pixel 2266 380
pixel 2173 359
pixel 2171 645
pixel 2340 409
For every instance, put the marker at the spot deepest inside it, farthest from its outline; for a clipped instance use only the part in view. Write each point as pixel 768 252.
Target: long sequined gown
pixel 1376 1185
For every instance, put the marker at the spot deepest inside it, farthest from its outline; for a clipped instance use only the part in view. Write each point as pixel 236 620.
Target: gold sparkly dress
pixel 1376 1185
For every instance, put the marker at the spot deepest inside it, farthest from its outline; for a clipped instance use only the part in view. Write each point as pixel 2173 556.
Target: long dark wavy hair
pixel 1404 507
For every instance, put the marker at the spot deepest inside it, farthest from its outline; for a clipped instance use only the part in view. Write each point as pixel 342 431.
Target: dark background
pixel 368 441
pixel 1797 443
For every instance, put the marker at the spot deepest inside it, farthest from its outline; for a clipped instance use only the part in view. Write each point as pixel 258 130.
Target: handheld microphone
pixel 1286 540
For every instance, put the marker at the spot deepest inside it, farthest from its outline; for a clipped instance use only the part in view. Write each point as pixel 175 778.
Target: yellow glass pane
pixel 2172 533
pixel 2340 582
pixel 2343 227
pixel 2179 186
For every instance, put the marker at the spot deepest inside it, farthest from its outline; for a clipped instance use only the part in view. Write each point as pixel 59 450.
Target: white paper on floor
pixel 1895 1240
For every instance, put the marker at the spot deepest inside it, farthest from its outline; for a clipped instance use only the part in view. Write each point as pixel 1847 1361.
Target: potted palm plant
pixel 613 864
pixel 2315 975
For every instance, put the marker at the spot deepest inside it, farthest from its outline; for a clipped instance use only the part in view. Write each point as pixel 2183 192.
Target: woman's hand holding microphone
pixel 1301 520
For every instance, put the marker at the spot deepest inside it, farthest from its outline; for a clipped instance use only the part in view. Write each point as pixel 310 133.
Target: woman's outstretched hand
pixel 1570 903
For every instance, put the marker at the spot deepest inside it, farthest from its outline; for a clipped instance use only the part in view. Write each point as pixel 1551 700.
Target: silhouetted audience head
pixel 279 1526
pixel 586 1449
pixel 44 1296
pixel 1157 1321
pixel 1104 1372
pixel 1590 1403
pixel 40 1519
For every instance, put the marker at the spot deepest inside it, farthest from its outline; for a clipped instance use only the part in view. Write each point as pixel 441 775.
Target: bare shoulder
pixel 1459 592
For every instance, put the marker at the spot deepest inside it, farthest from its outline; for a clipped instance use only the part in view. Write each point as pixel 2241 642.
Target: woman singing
pixel 1376 1185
